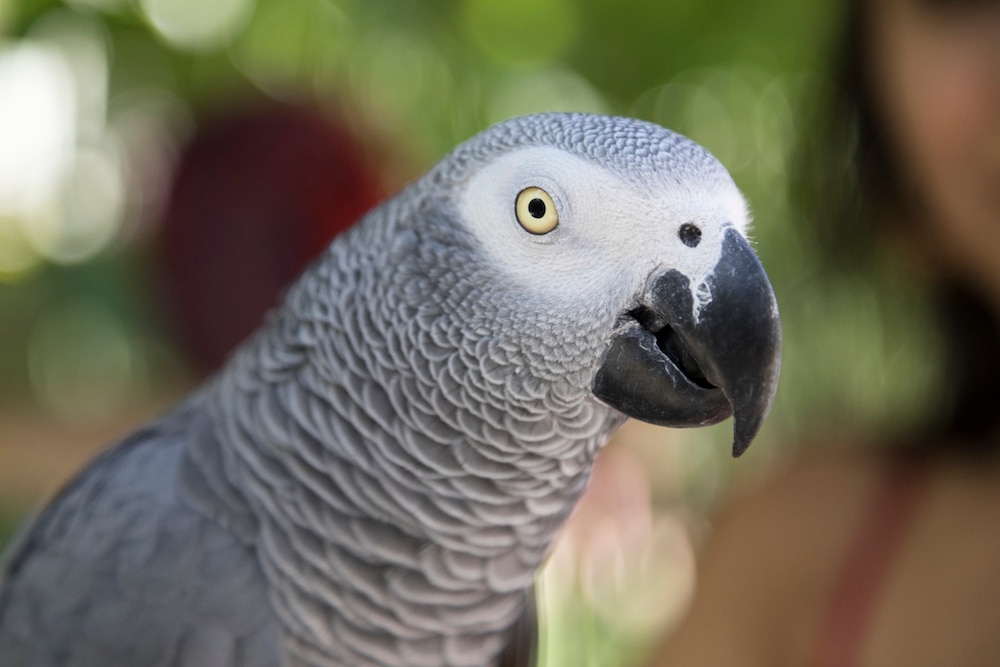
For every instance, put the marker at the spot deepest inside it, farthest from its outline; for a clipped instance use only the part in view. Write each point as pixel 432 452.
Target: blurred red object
pixel 256 195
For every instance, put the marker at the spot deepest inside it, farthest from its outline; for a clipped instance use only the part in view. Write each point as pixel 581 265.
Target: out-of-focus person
pixel 886 551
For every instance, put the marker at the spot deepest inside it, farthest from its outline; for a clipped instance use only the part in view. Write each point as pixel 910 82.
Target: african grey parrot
pixel 375 476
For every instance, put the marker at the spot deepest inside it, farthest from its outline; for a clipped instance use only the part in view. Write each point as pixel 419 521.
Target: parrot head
pixel 618 249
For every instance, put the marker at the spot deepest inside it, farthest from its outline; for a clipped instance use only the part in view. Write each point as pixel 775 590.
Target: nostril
pixel 690 234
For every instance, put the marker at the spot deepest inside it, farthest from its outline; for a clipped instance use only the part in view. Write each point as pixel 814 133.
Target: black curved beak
pixel 668 365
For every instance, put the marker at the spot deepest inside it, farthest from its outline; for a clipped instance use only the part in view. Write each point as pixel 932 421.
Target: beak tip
pixel 740 445
pixel 743 436
pixel 749 417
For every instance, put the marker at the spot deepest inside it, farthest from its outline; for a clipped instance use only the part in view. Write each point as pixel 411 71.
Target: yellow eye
pixel 536 211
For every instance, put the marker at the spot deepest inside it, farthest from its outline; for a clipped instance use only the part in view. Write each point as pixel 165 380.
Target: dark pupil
pixel 690 234
pixel 536 207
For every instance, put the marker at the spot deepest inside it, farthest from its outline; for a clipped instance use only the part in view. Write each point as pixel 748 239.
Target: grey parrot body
pixel 121 572
pixel 375 476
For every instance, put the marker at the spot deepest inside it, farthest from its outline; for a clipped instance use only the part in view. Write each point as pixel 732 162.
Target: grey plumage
pixel 373 478
pixel 120 572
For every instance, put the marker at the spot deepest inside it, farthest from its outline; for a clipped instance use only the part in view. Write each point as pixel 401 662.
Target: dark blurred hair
pixel 849 189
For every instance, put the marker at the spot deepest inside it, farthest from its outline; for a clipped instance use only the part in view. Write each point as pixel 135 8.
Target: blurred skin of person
pixel 887 553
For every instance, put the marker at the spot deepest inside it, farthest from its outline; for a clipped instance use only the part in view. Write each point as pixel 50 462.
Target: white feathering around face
pixel 614 231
